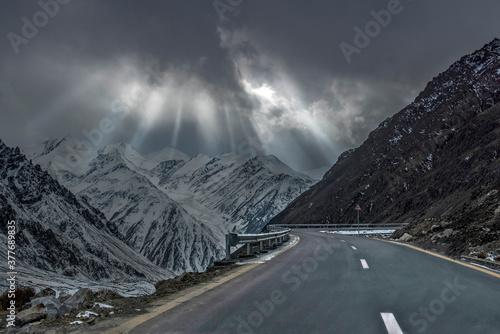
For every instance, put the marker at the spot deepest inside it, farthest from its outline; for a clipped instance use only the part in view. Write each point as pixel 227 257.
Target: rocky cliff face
pixel 431 159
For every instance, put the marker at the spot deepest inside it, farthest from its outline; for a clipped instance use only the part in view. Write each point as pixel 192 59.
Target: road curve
pixel 331 283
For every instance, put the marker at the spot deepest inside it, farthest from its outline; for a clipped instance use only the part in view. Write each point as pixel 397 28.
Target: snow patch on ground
pixel 102 305
pixel 40 279
pixel 86 314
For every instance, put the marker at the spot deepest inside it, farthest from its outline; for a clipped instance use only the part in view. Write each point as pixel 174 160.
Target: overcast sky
pixel 303 80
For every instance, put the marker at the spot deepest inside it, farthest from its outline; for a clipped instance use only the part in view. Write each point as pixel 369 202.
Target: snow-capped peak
pixel 166 154
pixel 125 152
pixel 68 154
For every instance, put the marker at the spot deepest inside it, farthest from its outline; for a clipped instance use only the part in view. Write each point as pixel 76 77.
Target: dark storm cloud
pixel 272 75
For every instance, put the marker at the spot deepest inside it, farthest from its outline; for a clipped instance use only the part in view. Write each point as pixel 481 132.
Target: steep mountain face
pixel 58 233
pixel 430 159
pixel 175 211
pixel 149 220
pixel 244 193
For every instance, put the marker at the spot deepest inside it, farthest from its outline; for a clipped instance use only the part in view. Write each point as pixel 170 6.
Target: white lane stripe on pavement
pixel 342 240
pixel 391 323
pixel 354 248
pixel 364 264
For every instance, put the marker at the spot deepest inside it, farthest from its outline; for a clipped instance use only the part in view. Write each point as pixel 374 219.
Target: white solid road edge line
pixel 354 248
pixel 364 264
pixel 391 323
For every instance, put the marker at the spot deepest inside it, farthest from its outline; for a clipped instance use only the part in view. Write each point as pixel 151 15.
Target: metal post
pixel 261 246
pixel 228 248
pixel 249 249
pixel 358 220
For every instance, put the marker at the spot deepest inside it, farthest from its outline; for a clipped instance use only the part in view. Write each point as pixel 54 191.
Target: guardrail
pixel 276 236
pixel 481 261
pixel 343 226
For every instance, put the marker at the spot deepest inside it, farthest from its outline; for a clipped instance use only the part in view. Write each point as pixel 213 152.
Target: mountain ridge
pixel 408 167
pixel 57 232
pixel 177 212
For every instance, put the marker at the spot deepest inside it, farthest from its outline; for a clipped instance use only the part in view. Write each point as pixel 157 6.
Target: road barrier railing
pixel 374 226
pixel 276 236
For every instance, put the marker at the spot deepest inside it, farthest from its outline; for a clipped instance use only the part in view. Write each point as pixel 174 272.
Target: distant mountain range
pixel 431 159
pixel 172 209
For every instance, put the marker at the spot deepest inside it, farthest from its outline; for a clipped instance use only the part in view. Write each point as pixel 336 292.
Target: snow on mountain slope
pixel 62 154
pixel 244 194
pixel 176 212
pixel 57 233
pixel 149 221
pixel 165 154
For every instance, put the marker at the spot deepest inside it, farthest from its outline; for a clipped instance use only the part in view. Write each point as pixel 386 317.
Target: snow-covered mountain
pixel 176 211
pixel 244 194
pixel 60 234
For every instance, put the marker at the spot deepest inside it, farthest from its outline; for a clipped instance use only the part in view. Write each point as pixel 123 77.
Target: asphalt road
pixel 343 284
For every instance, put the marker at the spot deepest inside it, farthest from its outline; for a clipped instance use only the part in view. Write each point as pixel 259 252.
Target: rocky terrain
pixel 430 160
pixel 86 310
pixel 474 232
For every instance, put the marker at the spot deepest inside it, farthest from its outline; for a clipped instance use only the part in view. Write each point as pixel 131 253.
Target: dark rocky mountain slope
pixel 432 159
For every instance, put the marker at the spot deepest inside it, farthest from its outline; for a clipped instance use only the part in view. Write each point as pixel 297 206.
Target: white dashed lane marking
pixel 391 323
pixel 354 248
pixel 364 264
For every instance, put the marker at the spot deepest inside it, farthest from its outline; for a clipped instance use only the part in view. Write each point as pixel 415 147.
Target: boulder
pixel 447 233
pixel 435 227
pixel 48 301
pixel 406 237
pixel 55 308
pixel 45 293
pixel 35 313
pixel 445 224
pixel 83 295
